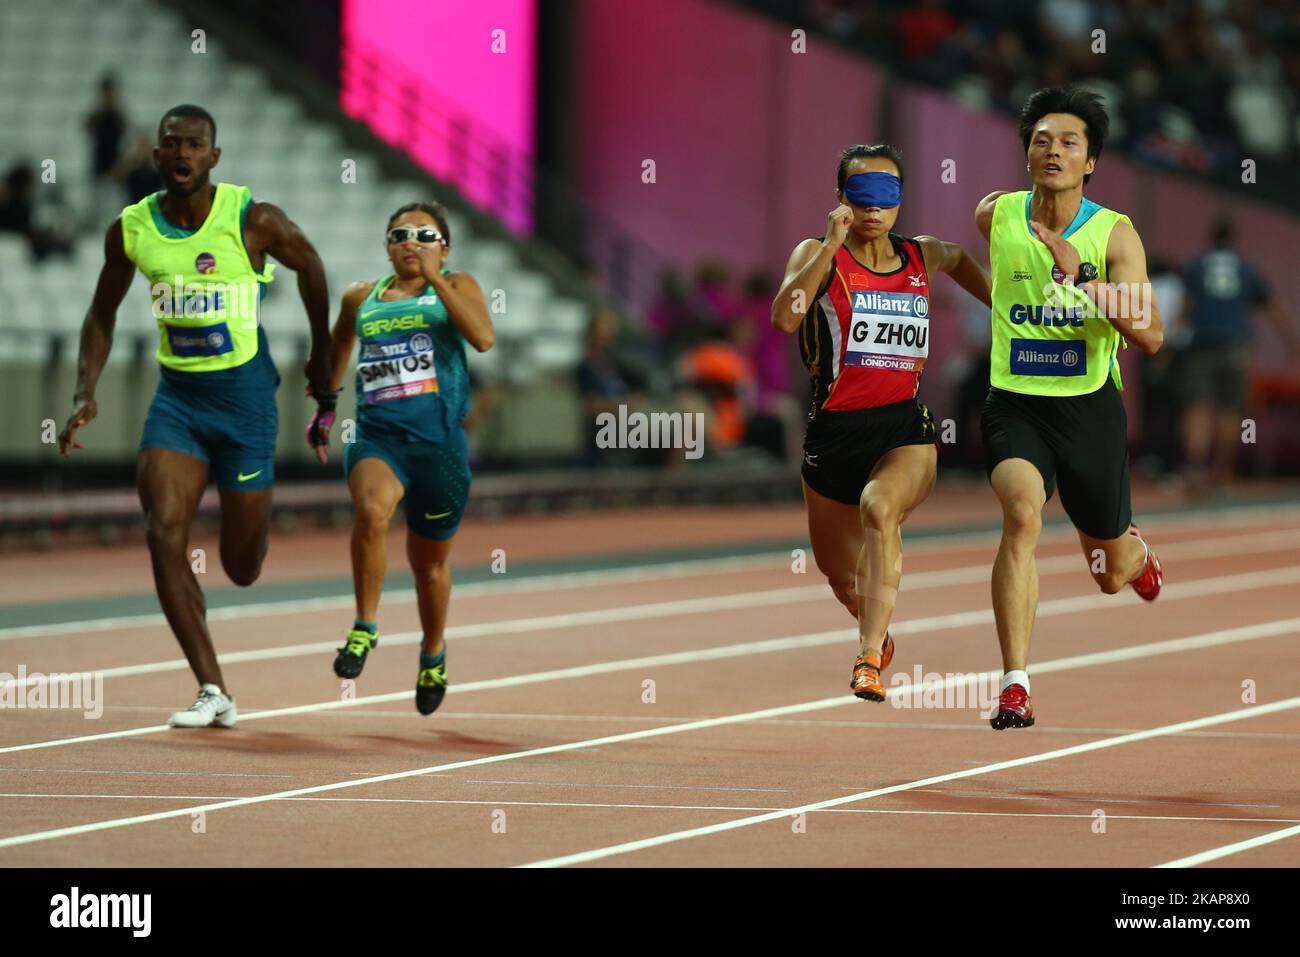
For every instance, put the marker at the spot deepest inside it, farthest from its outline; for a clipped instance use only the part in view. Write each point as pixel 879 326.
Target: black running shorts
pixel 841 448
pixel 1079 443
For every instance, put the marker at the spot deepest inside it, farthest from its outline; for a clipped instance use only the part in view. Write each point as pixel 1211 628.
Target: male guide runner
pixel 204 250
pixel 1069 281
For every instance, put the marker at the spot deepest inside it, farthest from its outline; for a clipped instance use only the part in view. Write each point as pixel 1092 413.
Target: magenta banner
pixel 453 85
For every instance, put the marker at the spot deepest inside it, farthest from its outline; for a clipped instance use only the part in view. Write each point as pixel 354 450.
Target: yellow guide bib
pixel 1047 337
pixel 204 290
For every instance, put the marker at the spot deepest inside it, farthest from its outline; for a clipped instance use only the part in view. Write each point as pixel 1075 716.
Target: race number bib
pixel 397 368
pixel 889 330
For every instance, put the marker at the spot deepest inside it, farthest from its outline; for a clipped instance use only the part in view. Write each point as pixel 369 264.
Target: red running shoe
pixel 1148 583
pixel 1014 709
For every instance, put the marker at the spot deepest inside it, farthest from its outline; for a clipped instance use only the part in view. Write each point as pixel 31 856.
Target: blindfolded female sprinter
pixel 859 297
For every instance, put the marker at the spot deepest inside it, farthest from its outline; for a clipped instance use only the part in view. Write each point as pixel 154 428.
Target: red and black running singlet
pixel 865 341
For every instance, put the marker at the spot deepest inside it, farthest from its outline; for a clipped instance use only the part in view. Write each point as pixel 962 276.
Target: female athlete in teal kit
pixel 412 393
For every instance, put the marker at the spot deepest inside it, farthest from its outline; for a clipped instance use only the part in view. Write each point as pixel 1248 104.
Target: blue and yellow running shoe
pixel 352 656
pixel 431 688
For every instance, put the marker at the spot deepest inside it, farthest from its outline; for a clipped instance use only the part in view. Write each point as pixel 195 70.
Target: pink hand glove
pixel 318 430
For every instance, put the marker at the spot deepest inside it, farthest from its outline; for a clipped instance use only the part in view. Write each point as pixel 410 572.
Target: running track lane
pixel 573 801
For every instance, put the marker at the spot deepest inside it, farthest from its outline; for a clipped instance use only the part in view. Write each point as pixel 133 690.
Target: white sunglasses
pixel 421 234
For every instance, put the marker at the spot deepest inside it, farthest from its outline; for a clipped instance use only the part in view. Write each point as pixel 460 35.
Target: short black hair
pixel 434 209
pixel 868 151
pixel 189 109
pixel 1085 105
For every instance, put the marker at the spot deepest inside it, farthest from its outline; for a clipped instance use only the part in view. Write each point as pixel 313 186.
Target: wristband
pixel 327 401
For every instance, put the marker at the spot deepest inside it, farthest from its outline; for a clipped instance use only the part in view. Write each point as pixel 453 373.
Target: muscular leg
pixel 899 483
pixel 428 558
pixel 245 522
pixel 170 485
pixel 1113 562
pixel 835 530
pixel 1019 488
pixel 375 494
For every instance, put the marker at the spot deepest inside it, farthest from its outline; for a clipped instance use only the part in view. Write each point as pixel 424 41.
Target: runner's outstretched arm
pixel 268 229
pixel 97 333
pixel 953 259
pixel 342 340
pixel 344 336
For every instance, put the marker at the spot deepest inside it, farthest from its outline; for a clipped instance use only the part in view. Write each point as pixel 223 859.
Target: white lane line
pixel 658 571
pixel 633 787
pixel 635 573
pixel 1060 606
pixel 969 574
pixel 509 626
pixel 106 772
pixel 994 796
pixel 1229 849
pixel 629 847
pixel 893 726
pixel 839 701
pixel 488 684
pixel 668 807
pixel 651 572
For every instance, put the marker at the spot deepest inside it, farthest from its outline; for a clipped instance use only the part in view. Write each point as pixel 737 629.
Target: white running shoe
pixel 211 707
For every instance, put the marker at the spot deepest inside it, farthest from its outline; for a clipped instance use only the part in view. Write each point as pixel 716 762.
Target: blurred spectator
pixel 106 125
pixel 1190 82
pixel 1004 63
pixel 16 199
pixel 719 370
pixel 969 372
pixel 54 224
pixel 714 302
pixel 604 383
pixel 1162 392
pixel 773 362
pixel 923 27
pixel 1143 110
pixel 671 319
pixel 1222 291
pixel 48 225
pixel 138 173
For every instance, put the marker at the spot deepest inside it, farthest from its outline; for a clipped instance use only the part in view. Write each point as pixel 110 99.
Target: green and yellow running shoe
pixel 431 688
pixel 352 656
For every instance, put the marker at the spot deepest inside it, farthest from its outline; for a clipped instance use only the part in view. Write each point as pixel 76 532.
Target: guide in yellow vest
pixel 203 249
pixel 1069 283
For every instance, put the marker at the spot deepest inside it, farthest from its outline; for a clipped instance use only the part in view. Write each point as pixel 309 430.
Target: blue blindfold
pixel 883 190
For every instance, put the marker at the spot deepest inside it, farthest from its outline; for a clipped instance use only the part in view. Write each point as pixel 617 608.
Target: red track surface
pixel 1164 797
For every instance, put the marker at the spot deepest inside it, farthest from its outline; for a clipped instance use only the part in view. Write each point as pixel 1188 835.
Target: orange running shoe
pixel 1148 583
pixel 866 672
